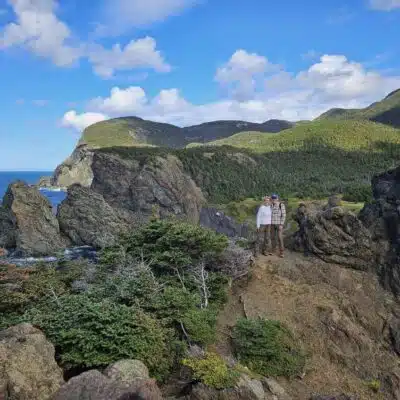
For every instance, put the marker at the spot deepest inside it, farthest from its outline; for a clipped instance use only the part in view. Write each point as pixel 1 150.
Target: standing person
pixel 278 218
pixel 264 227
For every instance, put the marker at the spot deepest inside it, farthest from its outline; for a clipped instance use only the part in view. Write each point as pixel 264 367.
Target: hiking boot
pixel 281 255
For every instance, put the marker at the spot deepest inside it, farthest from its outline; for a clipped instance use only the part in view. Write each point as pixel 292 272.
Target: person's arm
pixel 283 214
pixel 258 217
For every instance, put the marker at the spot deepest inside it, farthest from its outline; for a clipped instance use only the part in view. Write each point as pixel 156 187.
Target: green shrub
pixel 95 334
pixel 267 347
pixel 212 371
pixel 174 244
pixel 200 325
pixel 358 194
pixel 43 281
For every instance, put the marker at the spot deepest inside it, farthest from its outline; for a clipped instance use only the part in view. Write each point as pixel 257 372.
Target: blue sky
pixel 66 64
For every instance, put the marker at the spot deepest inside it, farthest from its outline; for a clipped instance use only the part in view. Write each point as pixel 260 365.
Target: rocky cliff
pixel 382 218
pixel 75 169
pixel 137 187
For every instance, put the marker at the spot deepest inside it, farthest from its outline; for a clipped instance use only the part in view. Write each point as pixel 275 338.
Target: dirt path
pixel 339 315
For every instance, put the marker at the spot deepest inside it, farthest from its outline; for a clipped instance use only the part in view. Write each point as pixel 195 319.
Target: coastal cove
pixel 31 178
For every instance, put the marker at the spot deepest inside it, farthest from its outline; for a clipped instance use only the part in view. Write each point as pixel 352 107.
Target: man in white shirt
pixel 264 227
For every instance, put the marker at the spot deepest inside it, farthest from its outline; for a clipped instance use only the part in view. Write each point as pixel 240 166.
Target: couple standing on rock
pixel 270 220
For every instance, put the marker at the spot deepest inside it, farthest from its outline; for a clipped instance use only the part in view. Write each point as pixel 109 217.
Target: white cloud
pixel 80 121
pixel 333 81
pixel 130 100
pixel 241 72
pixel 141 53
pixel 38 29
pixel 122 15
pixel 384 5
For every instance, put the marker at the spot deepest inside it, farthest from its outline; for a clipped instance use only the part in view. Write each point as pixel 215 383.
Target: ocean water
pixel 30 177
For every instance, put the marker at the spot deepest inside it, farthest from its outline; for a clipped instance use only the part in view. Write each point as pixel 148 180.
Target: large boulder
pixel 28 370
pixel 86 219
pixel 93 385
pixel 138 185
pixel 75 169
pixel 382 218
pixel 335 235
pixel 27 222
pixel 127 371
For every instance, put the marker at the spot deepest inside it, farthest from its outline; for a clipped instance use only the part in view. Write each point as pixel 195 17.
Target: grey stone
pixel 28 370
pixel 32 228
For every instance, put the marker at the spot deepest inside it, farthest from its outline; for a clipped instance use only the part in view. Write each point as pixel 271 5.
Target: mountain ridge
pixel 385 111
pixel 136 131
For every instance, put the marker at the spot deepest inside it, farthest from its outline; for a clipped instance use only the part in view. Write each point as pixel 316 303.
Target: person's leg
pixel 268 248
pixel 280 240
pixel 259 241
pixel 264 239
pixel 273 238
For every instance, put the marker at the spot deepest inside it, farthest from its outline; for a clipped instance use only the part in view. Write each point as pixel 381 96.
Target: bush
pixel 267 347
pixel 358 194
pixel 174 244
pixel 200 325
pixel 43 281
pixel 212 371
pixel 95 334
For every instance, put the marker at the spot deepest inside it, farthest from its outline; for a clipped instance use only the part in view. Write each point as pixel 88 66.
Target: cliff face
pixel 75 169
pixel 139 187
pixel 382 217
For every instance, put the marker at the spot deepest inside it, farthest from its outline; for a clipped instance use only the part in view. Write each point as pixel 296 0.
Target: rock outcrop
pixel 215 219
pixel 86 219
pixel 246 389
pixel 127 379
pixel 27 223
pixel 382 218
pixel 7 228
pixel 135 187
pixel 45 182
pixel 335 235
pixel 75 169
pixel 28 370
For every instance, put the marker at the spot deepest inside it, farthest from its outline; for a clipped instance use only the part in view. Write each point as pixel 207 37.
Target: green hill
pixel 134 131
pixel 131 131
pixel 345 135
pixel 312 160
pixel 386 111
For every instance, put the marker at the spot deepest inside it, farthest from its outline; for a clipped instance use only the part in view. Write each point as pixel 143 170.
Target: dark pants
pixel 277 233
pixel 263 239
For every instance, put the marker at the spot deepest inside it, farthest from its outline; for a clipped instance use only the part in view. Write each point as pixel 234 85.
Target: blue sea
pixel 30 177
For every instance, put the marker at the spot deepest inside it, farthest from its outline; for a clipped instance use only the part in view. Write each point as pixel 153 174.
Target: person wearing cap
pixel 278 217
pixel 264 227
